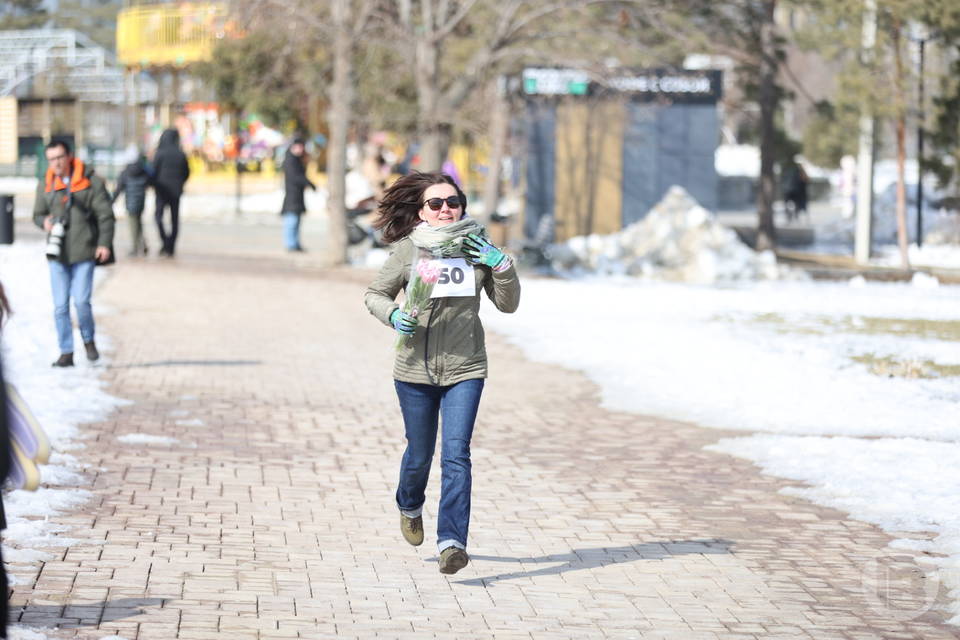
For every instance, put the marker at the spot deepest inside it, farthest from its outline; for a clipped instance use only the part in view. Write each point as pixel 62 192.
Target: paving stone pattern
pixel 272 515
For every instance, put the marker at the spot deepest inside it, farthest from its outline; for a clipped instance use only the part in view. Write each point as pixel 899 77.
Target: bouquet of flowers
pixel 425 275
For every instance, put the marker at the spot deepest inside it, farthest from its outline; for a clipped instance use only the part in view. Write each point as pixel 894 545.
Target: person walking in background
pixel 795 193
pixel 132 183
pixel 294 182
pixel 73 206
pixel 170 171
pixel 443 260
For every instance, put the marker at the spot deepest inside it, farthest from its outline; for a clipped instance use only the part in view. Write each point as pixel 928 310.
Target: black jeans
pixel 164 200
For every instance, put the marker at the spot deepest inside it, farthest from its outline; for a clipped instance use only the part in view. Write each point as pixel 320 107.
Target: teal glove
pixel 479 251
pixel 403 322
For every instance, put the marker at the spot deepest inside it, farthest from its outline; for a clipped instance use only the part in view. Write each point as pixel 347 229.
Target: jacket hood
pixel 169 138
pixel 80 174
pixel 136 168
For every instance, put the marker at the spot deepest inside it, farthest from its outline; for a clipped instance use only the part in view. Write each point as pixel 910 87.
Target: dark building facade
pixel 600 155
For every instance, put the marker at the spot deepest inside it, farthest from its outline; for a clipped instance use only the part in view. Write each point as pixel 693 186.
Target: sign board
pixel 9 140
pixel 676 86
pixel 681 85
pixel 555 82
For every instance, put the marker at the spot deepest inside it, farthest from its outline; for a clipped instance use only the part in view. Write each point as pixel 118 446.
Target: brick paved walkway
pixel 272 515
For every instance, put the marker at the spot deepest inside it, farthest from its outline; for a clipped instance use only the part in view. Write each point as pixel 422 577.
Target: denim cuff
pixel 446 544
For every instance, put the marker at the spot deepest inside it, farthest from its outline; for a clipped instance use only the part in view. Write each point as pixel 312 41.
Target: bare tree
pixel 900 126
pixel 337 25
pixel 769 103
pixel 499 32
pixel 499 117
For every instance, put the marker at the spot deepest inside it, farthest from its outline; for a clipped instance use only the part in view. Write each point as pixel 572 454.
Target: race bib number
pixel 457 279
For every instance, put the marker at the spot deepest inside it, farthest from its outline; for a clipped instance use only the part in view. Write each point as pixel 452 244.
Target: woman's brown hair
pixel 400 206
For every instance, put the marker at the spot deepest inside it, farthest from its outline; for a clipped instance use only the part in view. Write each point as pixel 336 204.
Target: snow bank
pixel 945 256
pixel 678 240
pixel 61 399
pixel 873 364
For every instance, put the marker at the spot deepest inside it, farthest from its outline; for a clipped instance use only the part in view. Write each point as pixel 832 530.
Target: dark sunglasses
pixel 436 203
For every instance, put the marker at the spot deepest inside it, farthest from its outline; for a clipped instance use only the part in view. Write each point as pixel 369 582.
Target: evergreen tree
pixel 22 14
pixel 96 19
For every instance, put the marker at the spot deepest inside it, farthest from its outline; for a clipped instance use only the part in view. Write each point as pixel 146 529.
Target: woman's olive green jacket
pixel 447 346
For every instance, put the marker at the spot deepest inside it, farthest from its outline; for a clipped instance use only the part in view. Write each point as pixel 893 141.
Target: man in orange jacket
pixel 73 206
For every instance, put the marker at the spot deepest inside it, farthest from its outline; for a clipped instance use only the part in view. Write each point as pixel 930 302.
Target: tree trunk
pixel 341 96
pixel 901 128
pixel 428 103
pixel 766 232
pixel 434 144
pixel 500 117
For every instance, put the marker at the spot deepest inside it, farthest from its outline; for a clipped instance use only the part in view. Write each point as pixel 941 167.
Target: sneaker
pixel 65 360
pixel 412 529
pixel 92 354
pixel 452 559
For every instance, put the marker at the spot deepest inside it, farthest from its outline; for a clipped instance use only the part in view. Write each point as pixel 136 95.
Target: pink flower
pixel 428 271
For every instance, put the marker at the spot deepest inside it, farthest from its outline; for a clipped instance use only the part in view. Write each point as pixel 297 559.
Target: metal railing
pixel 65 56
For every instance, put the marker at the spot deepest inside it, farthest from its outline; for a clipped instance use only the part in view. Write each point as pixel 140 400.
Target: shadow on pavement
pixel 189 363
pixel 579 559
pixel 74 616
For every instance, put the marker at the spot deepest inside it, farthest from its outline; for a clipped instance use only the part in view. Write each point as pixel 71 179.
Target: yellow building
pixel 170 34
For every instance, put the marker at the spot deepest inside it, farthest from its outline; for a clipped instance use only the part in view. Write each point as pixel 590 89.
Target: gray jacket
pixel 448 346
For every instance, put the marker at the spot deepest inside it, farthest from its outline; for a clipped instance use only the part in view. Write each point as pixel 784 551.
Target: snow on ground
pixel 255 208
pixel 946 256
pixel 900 484
pixel 29 633
pixel 61 400
pixel 876 364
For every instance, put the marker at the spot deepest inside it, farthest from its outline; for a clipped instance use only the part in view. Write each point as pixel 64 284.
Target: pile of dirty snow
pixel 678 240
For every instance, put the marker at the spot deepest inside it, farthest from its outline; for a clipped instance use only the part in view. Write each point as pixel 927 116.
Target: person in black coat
pixel 795 193
pixel 170 170
pixel 294 182
pixel 132 183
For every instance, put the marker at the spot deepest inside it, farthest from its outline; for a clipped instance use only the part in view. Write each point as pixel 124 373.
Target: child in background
pixel 132 183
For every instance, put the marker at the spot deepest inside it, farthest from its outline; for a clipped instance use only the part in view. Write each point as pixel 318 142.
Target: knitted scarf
pixel 444 242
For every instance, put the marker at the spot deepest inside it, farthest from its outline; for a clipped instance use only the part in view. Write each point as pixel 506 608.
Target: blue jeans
pixel 291 230
pixel 72 280
pixel 422 405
